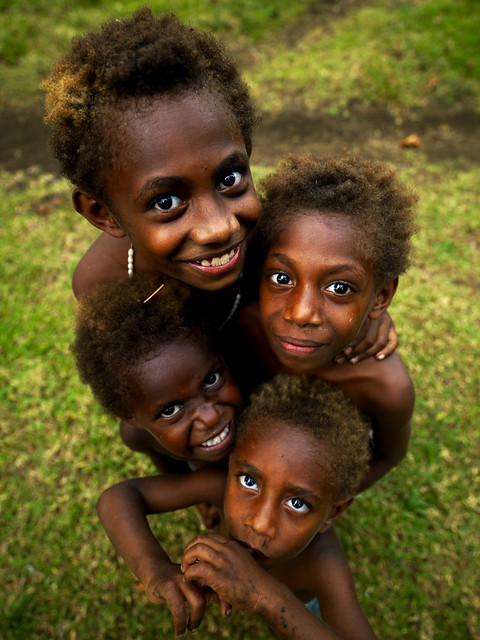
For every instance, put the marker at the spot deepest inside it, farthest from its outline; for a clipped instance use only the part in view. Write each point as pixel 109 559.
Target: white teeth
pixel 217 262
pixel 220 438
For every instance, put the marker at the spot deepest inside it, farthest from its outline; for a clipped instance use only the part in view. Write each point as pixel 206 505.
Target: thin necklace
pixel 233 310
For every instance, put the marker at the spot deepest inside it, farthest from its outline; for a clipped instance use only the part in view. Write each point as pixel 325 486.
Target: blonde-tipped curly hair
pixel 322 412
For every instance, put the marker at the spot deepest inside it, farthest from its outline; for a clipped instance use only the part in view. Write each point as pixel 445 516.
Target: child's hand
pixel 172 590
pixel 227 568
pixel 376 338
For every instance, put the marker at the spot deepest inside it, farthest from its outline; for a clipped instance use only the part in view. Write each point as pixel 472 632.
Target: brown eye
pixel 170 410
pixel 212 379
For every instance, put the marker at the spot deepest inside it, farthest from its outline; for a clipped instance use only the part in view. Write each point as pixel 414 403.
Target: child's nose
pixel 206 415
pixel 262 520
pixel 214 221
pixel 303 308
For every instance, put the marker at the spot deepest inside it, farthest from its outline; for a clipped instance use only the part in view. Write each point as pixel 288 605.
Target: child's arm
pixel 123 511
pixel 389 401
pixel 229 569
pixel 335 588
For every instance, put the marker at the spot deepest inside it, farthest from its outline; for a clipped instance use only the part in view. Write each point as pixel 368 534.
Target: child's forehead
pixel 272 447
pixel 171 114
pixel 283 432
pixel 307 219
pixel 309 228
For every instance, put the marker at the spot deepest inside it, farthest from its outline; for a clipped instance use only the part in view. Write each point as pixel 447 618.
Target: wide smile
pixel 219 263
pixel 217 440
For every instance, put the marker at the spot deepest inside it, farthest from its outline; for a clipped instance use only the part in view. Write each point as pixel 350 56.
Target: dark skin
pixel 184 196
pixel 273 587
pixel 180 196
pixel 316 292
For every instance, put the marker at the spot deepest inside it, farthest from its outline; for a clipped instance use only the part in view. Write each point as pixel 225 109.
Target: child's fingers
pixel 374 338
pixel 206 547
pixel 225 608
pixel 176 604
pixel 197 604
pixel 390 347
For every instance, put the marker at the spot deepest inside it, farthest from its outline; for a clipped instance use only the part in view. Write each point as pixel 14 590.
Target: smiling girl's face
pixel 181 189
pixel 185 397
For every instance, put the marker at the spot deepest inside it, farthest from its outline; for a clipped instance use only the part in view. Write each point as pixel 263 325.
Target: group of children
pixel 241 390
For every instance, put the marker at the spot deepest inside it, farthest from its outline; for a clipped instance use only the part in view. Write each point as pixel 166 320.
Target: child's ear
pixel 336 512
pixel 96 213
pixel 383 299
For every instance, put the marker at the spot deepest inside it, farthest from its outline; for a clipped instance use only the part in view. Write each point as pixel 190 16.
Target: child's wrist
pixel 271 598
pixel 152 570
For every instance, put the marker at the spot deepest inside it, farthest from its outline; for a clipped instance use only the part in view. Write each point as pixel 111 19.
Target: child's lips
pixel 256 553
pixel 298 346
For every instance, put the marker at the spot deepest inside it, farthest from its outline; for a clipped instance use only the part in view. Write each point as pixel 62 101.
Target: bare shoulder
pixel 380 383
pixel 392 384
pixel 105 259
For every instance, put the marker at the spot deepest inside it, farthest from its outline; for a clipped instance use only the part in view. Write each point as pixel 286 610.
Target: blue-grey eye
pixel 232 179
pixel 297 504
pixel 166 203
pixel 248 482
pixel 339 288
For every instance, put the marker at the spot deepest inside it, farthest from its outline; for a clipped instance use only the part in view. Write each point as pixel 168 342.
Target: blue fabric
pixel 314 607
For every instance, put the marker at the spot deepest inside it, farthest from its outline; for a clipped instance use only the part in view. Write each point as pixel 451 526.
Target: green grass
pixel 383 53
pixel 403 54
pixel 34 35
pixel 412 540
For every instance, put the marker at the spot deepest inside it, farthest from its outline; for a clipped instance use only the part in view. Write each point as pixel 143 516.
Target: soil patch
pixel 372 132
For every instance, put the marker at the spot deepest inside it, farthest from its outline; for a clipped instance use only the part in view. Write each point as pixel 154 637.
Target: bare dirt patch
pixel 372 132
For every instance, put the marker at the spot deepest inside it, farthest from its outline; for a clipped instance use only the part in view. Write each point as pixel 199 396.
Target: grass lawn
pixel 413 539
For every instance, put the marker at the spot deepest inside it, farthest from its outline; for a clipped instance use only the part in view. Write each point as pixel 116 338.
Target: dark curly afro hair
pixel 137 58
pixel 116 331
pixel 313 407
pixel 367 193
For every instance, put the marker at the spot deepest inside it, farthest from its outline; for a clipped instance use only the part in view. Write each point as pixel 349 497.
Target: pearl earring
pixel 131 255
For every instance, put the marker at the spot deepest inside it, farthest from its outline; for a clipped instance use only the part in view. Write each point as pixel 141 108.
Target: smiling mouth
pixel 219 262
pixel 217 439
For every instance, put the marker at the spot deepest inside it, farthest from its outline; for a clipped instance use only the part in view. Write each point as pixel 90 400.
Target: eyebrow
pixel 160 183
pixel 165 183
pixel 287 261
